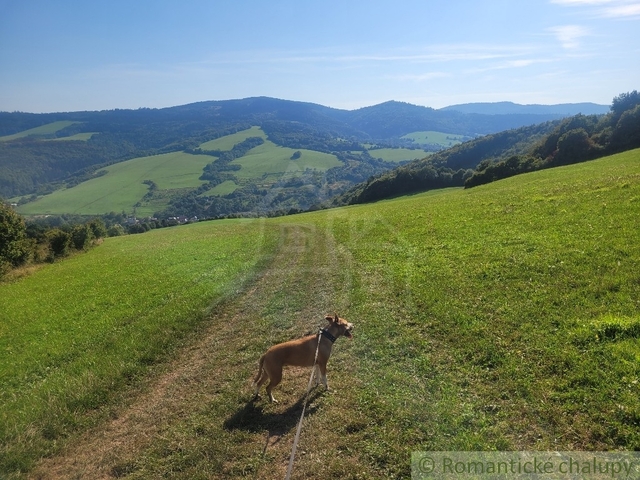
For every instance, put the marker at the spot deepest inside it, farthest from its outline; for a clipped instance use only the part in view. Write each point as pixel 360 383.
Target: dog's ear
pixel 336 319
pixel 329 318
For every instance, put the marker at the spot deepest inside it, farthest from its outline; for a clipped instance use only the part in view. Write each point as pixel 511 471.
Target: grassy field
pixel 429 137
pixel 268 159
pixel 227 142
pixel 274 161
pixel 78 137
pixel 47 129
pixel 397 154
pixel 225 188
pixel 501 317
pixel 74 334
pixel 121 188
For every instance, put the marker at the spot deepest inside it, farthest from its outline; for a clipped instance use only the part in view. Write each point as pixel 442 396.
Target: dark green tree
pixel 627 132
pixel 14 245
pixel 81 237
pixel 624 102
pixel 98 228
pixel 59 243
pixel 573 147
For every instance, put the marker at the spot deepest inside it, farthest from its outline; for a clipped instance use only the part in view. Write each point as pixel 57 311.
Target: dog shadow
pixel 253 418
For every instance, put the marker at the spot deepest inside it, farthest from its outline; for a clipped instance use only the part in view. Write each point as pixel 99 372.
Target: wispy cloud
pixel 583 2
pixel 420 77
pixel 623 11
pixel 416 55
pixel 569 35
pixel 606 8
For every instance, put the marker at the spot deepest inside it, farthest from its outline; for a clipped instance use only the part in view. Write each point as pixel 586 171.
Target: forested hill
pixel 507 108
pixel 504 154
pixel 386 120
pixel 30 163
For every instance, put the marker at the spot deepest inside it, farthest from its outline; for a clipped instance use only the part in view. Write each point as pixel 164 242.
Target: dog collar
pixel 326 334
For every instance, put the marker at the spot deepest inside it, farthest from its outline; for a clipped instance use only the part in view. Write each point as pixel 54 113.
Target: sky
pixel 68 55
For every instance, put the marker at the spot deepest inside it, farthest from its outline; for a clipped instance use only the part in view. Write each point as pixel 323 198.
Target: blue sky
pixel 67 55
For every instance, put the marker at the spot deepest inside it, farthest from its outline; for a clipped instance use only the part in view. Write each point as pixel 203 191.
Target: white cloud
pixel 569 35
pixel 606 8
pixel 626 10
pixel 420 77
pixel 582 2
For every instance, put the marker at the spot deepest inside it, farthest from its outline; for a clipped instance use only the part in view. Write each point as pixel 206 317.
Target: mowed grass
pixel 48 129
pixel 505 317
pixel 75 333
pixel 501 317
pixel 438 138
pixel 122 187
pixel 397 154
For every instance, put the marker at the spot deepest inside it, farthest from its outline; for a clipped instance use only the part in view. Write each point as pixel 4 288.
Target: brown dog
pixel 301 353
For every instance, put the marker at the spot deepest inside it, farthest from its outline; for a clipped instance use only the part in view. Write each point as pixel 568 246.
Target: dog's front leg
pixel 318 375
pixel 322 370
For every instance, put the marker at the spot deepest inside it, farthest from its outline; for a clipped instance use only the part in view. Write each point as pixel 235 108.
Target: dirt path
pixel 298 285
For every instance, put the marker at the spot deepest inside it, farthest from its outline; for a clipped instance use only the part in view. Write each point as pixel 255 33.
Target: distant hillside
pixel 501 155
pixel 448 168
pixel 394 119
pixel 510 108
pixel 88 142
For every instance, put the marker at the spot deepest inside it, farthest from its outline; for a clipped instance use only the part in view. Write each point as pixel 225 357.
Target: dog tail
pixel 259 370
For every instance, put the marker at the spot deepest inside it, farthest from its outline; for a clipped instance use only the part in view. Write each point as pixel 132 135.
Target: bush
pixel 98 228
pixel 14 245
pixel 573 147
pixel 59 243
pixel 116 230
pixel 81 236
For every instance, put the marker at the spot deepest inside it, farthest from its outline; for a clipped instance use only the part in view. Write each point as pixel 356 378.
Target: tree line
pixel 22 243
pixel 511 152
pixel 51 238
pixel 576 139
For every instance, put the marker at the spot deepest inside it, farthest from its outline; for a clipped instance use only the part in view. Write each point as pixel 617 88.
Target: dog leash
pixel 304 406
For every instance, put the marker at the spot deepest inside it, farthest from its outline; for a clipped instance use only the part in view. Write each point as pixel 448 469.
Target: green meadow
pixel 80 137
pixel 397 154
pixel 48 129
pixel 122 186
pixel 503 317
pixel 227 142
pixel 267 161
pixel 271 160
pixel 439 138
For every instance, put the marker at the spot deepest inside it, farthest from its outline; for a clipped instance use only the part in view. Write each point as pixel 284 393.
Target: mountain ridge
pixel 290 110
pixel 506 108
pixel 31 164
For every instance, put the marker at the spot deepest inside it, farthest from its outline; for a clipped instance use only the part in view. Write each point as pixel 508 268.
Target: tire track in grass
pixel 210 380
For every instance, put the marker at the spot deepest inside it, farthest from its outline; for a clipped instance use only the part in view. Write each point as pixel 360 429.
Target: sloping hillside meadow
pixel 502 317
pixel 122 187
pixel 47 129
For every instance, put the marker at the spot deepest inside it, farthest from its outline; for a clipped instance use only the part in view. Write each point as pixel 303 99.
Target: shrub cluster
pixel 21 244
